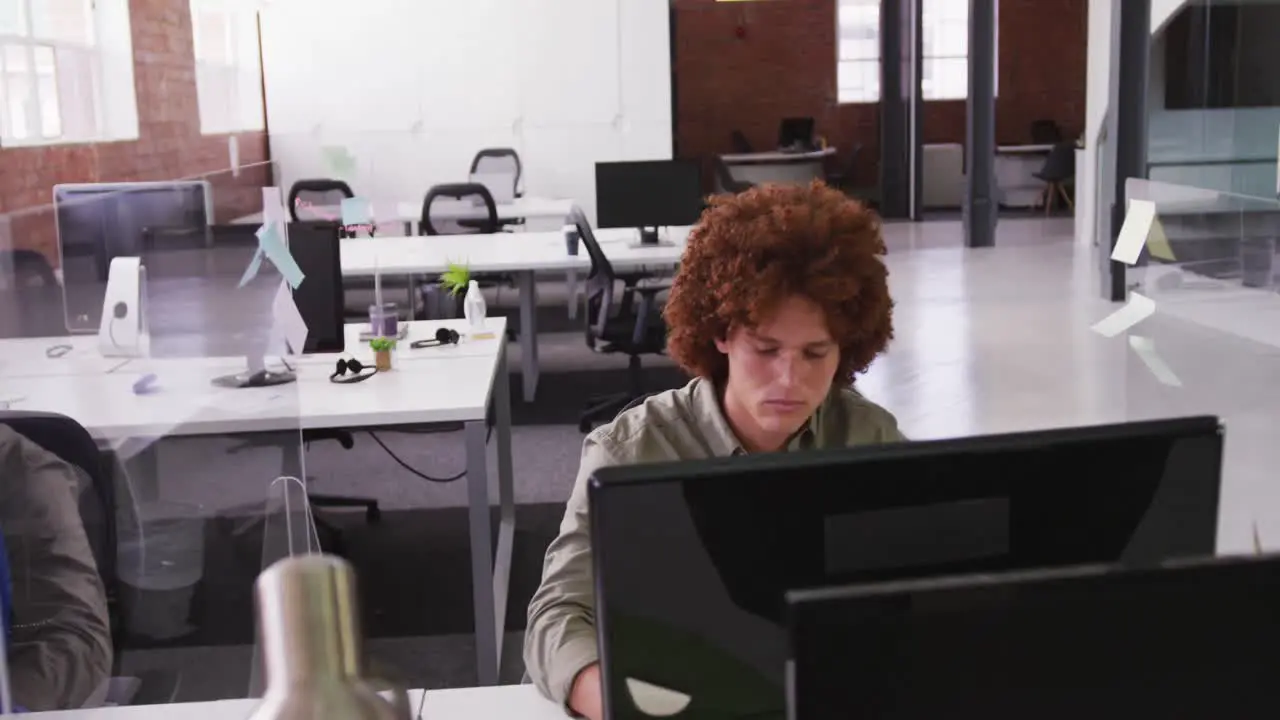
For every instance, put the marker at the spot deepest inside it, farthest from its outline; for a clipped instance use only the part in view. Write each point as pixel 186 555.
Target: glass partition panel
pixel 153 373
pixel 1205 336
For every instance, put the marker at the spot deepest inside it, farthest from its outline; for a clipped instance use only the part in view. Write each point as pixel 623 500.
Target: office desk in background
pixel 452 384
pixel 778 166
pixel 508 702
pixel 518 254
pixel 1016 166
pixel 410 213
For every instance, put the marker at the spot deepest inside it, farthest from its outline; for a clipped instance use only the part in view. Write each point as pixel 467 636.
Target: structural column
pixel 981 202
pixel 900 108
pixel 1124 151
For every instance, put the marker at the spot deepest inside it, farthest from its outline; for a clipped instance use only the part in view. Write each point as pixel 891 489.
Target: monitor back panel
pixel 692 561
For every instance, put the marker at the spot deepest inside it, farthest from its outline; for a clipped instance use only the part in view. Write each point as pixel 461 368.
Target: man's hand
pixel 585 697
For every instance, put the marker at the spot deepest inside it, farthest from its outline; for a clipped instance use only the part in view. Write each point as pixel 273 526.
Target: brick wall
pixel 746 66
pixel 169 145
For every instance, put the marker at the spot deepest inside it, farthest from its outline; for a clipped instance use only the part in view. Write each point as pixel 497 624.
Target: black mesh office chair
pixel 1059 170
pixel 317 199
pixel 500 160
pixel 843 178
pixel 740 143
pixel 71 443
pixel 636 328
pixel 437 221
pixel 728 182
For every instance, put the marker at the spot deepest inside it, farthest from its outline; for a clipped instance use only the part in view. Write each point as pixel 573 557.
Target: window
pixel 945 52
pixel 55 60
pixel 228 65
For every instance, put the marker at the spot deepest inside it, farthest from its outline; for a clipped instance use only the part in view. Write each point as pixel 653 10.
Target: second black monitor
pixel 648 194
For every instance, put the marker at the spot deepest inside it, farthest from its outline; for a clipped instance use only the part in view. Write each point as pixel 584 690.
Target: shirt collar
pixel 719 434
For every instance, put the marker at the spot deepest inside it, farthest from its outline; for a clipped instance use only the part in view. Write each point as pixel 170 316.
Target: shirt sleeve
pixel 561 639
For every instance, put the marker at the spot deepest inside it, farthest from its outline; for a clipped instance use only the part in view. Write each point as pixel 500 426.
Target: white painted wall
pixel 1097 89
pixel 413 88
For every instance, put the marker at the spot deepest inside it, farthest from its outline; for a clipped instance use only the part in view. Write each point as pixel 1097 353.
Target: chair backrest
pixel 320 199
pixel 499 160
pixel 1061 163
pixel 726 178
pixel 71 443
pixel 600 282
pixel 1044 132
pixel 740 143
pixel 470 210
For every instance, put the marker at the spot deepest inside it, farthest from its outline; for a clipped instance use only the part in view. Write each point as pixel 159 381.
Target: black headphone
pixel 444 336
pixel 357 369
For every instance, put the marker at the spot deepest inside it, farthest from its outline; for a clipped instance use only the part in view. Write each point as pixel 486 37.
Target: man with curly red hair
pixel 781 299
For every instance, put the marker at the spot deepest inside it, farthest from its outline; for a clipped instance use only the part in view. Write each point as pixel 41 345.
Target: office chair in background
pixel 31 302
pixel 318 193
pixel 501 160
pixel 635 329
pixel 842 179
pixel 1059 171
pixel 435 222
pixel 728 182
pixel 71 443
pixel 739 143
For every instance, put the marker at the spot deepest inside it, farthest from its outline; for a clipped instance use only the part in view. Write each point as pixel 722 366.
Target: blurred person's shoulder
pixel 850 418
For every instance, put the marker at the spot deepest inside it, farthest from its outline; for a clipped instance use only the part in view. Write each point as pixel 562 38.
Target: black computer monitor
pixel 315 246
pixel 98 222
pixel 795 133
pixel 648 195
pixel 1199 639
pixel 692 561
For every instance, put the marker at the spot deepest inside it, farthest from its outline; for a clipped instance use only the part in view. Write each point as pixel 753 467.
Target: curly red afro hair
pixel 752 250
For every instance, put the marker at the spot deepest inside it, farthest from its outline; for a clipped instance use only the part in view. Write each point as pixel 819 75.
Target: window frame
pixel 30 43
pixel 924 59
pixel 232 13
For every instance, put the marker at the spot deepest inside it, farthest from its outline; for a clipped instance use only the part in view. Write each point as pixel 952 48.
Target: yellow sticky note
pixel 1158 242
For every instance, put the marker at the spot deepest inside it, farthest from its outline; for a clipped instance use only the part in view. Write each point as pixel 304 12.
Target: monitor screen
pixel 1200 639
pixel 99 222
pixel 796 132
pixel 648 194
pixel 693 560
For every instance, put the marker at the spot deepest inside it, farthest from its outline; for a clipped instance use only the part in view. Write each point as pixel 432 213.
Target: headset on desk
pixel 357 368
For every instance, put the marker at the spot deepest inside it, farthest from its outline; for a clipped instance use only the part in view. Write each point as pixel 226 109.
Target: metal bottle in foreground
pixel 308 624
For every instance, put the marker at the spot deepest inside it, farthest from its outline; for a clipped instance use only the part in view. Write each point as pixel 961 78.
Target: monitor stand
pixel 256 376
pixel 649 238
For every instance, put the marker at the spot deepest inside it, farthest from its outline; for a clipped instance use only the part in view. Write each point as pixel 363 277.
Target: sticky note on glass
pixel 1146 351
pixel 1139 308
pixel 286 320
pixel 251 272
pixel 1133 234
pixel 271 243
pixel 272 205
pixel 339 161
pixel 356 211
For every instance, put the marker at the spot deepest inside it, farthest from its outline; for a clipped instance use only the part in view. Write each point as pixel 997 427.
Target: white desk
pixel 519 254
pixel 1015 167
pixel 507 702
pixel 29 357
pixel 427 386
pixel 778 167
pixel 409 213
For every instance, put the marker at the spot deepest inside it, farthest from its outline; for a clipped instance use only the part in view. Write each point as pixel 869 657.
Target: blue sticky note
pixel 251 272
pixel 355 211
pixel 270 242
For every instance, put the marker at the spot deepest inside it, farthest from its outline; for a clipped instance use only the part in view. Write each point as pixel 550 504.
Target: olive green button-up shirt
pixel 683 424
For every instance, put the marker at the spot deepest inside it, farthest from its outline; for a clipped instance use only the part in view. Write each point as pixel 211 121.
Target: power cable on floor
pixel 415 471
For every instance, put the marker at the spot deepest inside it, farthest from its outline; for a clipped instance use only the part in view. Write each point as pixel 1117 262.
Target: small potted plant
pixel 455 281
pixel 382 348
